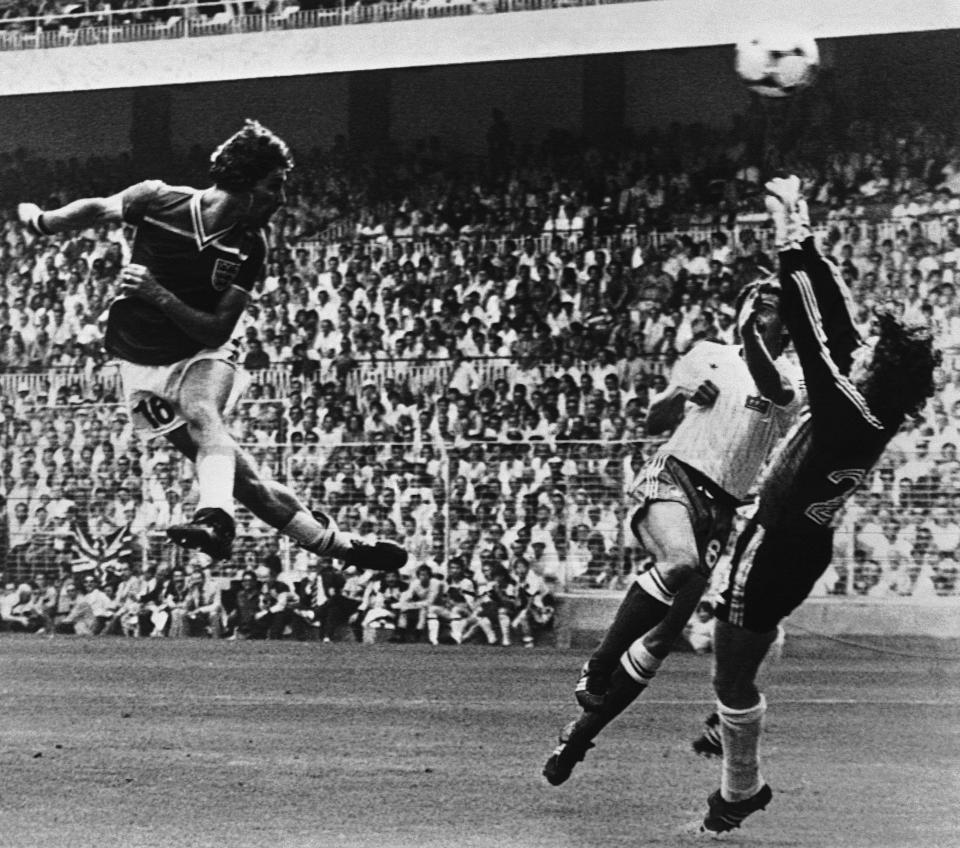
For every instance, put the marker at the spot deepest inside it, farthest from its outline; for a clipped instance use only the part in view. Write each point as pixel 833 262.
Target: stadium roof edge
pixel 619 28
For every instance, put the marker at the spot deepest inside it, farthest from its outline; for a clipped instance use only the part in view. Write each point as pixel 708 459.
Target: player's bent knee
pixel 250 491
pixel 199 414
pixel 672 575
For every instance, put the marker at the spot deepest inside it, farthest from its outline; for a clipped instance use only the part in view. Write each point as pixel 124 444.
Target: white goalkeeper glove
pixel 32 215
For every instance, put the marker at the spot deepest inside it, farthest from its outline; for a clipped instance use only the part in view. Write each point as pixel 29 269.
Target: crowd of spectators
pixel 21 15
pixel 325 603
pixel 539 310
pixel 92 21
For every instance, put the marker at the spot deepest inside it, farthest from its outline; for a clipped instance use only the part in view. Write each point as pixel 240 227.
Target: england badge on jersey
pixel 224 273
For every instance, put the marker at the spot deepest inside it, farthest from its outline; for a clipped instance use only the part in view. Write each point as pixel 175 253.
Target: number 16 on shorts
pixel 153 414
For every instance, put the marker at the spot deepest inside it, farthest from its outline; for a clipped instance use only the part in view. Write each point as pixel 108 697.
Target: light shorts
pixel 711 510
pixel 152 392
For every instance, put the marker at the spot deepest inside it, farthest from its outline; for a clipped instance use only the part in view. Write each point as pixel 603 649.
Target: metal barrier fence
pixel 563 506
pixel 75 27
pixel 278 380
pixel 341 235
pixel 416 374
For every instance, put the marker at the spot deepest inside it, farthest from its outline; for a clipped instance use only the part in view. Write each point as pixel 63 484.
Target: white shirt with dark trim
pixel 728 441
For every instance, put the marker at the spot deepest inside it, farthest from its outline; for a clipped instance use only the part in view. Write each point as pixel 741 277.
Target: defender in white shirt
pixel 729 405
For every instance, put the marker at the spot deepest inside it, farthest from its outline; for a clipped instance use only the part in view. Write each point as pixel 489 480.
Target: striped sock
pixel 652 583
pixel 643 607
pixel 640 664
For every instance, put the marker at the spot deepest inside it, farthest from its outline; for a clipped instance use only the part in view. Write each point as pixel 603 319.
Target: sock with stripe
pixel 319 537
pixel 640 664
pixel 623 690
pixel 740 731
pixel 645 605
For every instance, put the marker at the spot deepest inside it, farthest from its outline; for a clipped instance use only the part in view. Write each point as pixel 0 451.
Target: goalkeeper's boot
pixel 566 755
pixel 591 687
pixel 709 744
pixel 211 531
pixel 724 816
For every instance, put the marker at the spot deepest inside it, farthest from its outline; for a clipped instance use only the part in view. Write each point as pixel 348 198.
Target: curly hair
pixel 768 290
pixel 900 376
pixel 247 157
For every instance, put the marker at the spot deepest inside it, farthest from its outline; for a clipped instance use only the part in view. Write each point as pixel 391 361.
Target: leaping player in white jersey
pixel 729 405
pixel 196 255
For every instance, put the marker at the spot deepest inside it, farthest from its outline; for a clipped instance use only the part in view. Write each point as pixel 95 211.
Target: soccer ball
pixel 777 65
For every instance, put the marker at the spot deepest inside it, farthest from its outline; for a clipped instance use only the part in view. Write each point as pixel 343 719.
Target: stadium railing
pixel 193 20
pixel 581 488
pixel 277 380
pixel 932 229
pixel 418 375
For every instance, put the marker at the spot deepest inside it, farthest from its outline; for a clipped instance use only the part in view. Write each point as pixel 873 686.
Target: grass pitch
pixel 186 744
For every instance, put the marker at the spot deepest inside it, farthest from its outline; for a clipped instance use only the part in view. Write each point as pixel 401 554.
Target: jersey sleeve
pixel 252 266
pixel 139 199
pixel 816 315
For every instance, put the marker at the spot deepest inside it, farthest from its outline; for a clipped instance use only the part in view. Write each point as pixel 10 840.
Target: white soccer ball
pixel 777 64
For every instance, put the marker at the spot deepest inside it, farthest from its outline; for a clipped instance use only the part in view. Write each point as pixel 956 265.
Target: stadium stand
pixel 458 354
pixel 28 25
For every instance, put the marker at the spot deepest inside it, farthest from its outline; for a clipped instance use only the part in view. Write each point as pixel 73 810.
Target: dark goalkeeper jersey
pixel 837 441
pixel 198 267
pixel 815 471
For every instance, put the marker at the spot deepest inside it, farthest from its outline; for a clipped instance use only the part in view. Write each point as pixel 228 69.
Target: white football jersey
pixel 729 441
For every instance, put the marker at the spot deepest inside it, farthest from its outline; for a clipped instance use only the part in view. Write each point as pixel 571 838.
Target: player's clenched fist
pixel 706 394
pixel 32 215
pixel 137 281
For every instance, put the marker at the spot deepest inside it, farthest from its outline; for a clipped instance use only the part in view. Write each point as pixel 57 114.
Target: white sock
pixel 504 620
pixel 215 473
pixel 487 627
pixel 457 626
pixel 310 533
pixel 740 731
pixel 304 529
pixel 639 663
pixel 433 630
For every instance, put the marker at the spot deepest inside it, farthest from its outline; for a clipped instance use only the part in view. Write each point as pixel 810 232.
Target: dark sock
pixel 622 692
pixel 639 613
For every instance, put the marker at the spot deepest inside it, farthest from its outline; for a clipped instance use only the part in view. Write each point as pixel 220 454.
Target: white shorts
pixel 152 392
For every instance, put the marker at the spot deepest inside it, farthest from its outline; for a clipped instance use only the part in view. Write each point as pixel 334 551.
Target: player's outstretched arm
pixel 767 377
pixel 211 329
pixel 74 216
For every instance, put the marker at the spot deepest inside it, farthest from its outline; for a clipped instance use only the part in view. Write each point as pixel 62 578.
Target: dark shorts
pixel 771 574
pixel 711 509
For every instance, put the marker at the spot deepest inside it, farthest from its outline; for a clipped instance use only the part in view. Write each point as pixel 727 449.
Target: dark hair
pixel 900 376
pixel 247 157
pixel 767 290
